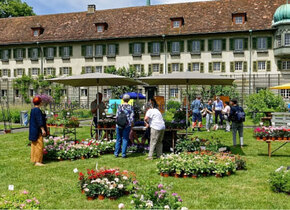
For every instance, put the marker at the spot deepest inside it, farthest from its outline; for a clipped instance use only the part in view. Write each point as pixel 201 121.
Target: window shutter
pixel 131 45
pixel 70 50
pixel 223 67
pixel 232 67
pixel 161 69
pixel 181 67
pixel 29 52
pixel 45 51
pixel 38 52
pixel 70 70
pixel 38 71
pixel 24 52
pixel 169 68
pixel 181 46
pixel 9 73
pixel 168 46
pixel 255 69
pixel 255 43
pixel 24 72
pixel 162 47
pixel 209 45
pixel 279 65
pixel 245 44
pixel 201 66
pixel 0 54
pixel 60 50
pixel 44 71
pixel 143 47
pixel 55 51
pixel 0 72
pixel 245 66
pixel 232 44
pixel 201 45
pixel 150 69
pixel 29 72
pixel 15 72
pixel 189 67
pixel 83 70
pixel 269 44
pixel 142 69
pixel 268 66
pixel 93 69
pixel 189 45
pixel 117 49
pixel 84 50
pixel 60 70
pixel 53 72
pixel 210 68
pixel 104 49
pixel 149 47
pixel 14 53
pixel 9 53
pixel 224 44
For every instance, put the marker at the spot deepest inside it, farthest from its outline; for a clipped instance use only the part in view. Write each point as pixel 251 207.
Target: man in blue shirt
pixel 196 107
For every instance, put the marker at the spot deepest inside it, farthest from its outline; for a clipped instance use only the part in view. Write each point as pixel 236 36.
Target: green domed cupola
pixel 282 14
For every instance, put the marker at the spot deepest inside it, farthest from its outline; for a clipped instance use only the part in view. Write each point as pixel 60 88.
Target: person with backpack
pixel 237 116
pixel 125 121
pixel 196 107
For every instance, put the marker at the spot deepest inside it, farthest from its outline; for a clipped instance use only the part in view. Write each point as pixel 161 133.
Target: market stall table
pixel 269 145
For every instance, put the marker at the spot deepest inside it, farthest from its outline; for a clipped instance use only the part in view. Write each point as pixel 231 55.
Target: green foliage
pixel 19 200
pixel 173 105
pixel 22 84
pixel 264 101
pixel 280 180
pixel 211 91
pixel 15 8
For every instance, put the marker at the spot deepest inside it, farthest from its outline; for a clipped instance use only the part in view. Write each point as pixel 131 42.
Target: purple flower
pixel 160 196
pixel 174 194
pixel 179 199
pixel 160 186
pixel 156 193
pixel 163 191
pixel 28 200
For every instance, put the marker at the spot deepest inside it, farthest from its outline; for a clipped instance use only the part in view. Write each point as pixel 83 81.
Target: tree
pixel 15 8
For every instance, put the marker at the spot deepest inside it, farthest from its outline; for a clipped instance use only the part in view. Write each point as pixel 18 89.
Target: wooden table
pixel 269 145
pixel 66 130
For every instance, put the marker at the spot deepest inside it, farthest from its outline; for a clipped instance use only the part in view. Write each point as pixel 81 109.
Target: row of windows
pixel 137 49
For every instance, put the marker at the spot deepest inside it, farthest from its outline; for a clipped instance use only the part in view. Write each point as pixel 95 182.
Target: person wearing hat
pixel 125 121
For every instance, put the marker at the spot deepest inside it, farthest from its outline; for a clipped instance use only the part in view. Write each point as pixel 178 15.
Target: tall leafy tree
pixel 15 8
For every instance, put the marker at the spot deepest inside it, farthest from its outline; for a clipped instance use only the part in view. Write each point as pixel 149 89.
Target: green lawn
pixel 55 185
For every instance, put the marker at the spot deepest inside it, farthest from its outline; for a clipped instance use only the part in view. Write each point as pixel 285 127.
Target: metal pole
pixel 98 110
pixel 250 63
pixel 186 101
pixel 165 69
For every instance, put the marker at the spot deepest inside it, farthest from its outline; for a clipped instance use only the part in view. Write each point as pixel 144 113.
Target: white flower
pixel 75 170
pixel 132 202
pixel 142 198
pixel 86 190
pixel 125 178
pixel 111 187
pixel 11 187
pixel 120 186
pixel 184 208
pixel 98 180
pixel 116 179
pixel 279 169
pixel 149 204
pixel 166 207
pixel 121 206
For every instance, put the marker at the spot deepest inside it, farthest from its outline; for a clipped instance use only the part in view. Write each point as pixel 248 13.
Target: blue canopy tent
pixel 134 95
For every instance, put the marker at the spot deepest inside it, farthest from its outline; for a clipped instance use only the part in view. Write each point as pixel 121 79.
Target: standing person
pixel 237 116
pixel 94 110
pixel 37 130
pixel 196 107
pixel 218 107
pixel 125 121
pixel 226 112
pixel 208 112
pixel 157 127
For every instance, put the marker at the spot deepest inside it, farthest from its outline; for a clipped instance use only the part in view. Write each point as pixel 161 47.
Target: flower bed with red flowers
pixel 107 183
pixel 272 133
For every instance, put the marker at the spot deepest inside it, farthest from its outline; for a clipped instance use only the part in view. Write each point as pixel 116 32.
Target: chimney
pixel 91 8
pixel 148 3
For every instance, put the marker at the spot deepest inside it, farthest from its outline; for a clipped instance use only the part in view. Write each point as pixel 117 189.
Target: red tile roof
pixel 146 21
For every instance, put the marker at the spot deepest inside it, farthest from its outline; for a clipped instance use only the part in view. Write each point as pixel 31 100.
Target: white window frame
pixel 100 28
pixel 88 70
pixel 4 93
pixel 156 48
pixel 34 53
pixel 238 66
pixel 239 20
pixel 137 67
pixel 50 52
pixel 18 72
pixel 137 48
pixel 217 45
pixel 84 92
pixel 156 68
pixel 89 51
pixel 175 47
pixel 49 71
pixel 287 39
pixel 216 66
pixel 173 92
pixel 286 65
pixel 195 66
pixel 195 46
pixel 175 67
pixel 5 72
pixel 19 54
pixel 5 54
pixel 65 70
pixel 278 41
pixel 99 69
pixel 107 93
pixel 285 93
pixel 239 44
pixel 35 32
pixel 262 43
pixel 176 24
pixel 261 65
pixel 66 52
pixel 34 72
pixel 111 50
pixel 99 50
pixel 31 92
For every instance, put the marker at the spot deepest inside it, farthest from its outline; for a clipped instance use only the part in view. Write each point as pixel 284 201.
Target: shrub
pixel 173 105
pixel 19 200
pixel 280 180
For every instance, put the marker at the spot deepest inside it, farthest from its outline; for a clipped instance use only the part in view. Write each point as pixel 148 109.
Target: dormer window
pixel 37 31
pixel 101 27
pixel 177 22
pixel 239 19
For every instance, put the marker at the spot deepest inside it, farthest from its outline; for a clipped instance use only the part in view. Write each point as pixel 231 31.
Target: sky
pixel 43 7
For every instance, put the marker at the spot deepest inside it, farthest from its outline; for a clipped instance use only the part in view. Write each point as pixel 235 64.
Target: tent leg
pixel 186 101
pixel 98 110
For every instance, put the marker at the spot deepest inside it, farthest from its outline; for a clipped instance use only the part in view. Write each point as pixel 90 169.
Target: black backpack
pixel 240 115
pixel 122 120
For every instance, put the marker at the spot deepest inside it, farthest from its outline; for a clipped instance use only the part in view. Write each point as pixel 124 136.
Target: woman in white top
pixel 226 112
pixel 157 127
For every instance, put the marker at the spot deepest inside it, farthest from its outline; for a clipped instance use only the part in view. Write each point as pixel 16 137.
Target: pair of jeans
pixel 156 138
pixel 122 138
pixel 238 127
pixel 208 121
pixel 218 113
